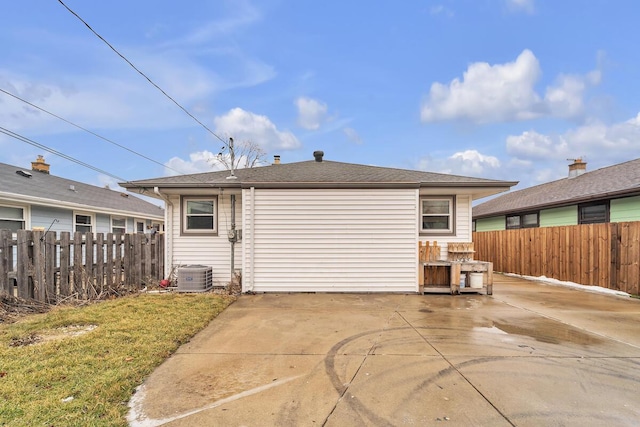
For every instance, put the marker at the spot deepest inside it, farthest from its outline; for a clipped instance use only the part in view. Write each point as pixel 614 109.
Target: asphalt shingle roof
pixel 617 180
pixel 313 173
pixel 49 187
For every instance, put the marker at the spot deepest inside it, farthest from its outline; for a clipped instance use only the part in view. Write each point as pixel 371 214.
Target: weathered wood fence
pixel 38 265
pixel 606 255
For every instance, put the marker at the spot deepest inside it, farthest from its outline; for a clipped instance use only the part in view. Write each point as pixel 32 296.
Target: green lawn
pixel 79 366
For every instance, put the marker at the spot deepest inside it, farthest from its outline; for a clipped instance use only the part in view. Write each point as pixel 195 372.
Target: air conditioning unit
pixel 195 278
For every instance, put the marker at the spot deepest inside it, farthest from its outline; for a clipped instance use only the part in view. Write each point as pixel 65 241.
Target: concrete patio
pixel 529 355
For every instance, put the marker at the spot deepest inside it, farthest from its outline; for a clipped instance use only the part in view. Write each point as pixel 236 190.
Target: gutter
pixel 168 246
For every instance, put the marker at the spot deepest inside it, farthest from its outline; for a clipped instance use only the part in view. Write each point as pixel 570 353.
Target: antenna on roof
pixel 233 158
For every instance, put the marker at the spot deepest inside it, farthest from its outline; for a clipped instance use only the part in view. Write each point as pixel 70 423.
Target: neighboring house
pixel 610 194
pixel 34 199
pixel 316 225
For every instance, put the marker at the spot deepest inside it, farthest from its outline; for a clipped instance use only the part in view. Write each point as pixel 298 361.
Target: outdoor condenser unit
pixel 195 278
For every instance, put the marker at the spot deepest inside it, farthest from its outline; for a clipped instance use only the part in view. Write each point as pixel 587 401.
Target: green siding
pixel 567 215
pixel 491 224
pixel 626 209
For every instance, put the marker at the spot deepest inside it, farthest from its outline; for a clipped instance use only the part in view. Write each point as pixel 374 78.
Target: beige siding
pixel 331 240
pixel 211 251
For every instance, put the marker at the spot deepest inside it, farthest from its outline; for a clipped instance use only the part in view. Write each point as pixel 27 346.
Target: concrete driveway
pixel 529 355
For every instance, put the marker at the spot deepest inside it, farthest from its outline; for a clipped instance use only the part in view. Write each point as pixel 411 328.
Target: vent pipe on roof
pixel 318 155
pixel 577 168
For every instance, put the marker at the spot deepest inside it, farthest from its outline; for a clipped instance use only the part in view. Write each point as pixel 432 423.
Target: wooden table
pixel 456 269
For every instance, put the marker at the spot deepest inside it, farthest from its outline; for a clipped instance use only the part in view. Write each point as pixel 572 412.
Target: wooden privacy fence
pixel 38 265
pixel 606 255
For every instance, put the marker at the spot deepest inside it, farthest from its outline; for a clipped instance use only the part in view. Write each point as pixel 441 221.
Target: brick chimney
pixel 39 165
pixel 276 159
pixel 577 168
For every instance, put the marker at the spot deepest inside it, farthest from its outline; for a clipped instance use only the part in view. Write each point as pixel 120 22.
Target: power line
pixel 89 131
pixel 141 73
pixel 58 153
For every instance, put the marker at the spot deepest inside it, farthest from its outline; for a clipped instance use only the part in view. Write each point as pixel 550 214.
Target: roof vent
pixel 72 187
pixel 24 173
pixel 318 155
pixel 124 195
pixel 276 159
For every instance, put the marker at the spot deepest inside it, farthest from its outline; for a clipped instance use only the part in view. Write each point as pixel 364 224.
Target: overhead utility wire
pixel 58 153
pixel 89 131
pixel 141 73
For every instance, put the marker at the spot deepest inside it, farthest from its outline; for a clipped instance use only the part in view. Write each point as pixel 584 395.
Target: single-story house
pixel 315 225
pixel 610 194
pixel 35 199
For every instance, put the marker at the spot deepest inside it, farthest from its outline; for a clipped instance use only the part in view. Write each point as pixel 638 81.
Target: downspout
pixel 168 247
pixel 233 238
pixel 252 244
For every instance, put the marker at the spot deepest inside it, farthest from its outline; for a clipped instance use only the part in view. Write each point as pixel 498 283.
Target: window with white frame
pixel 436 214
pixel 199 215
pixel 118 225
pixel 83 222
pixel 12 218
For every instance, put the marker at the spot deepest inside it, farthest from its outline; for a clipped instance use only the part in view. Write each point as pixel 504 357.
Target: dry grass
pixel 79 366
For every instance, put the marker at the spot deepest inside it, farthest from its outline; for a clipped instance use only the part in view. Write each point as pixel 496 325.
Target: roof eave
pixel 563 203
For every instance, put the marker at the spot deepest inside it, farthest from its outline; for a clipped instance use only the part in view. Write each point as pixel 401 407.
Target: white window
pixel 199 215
pixel 83 222
pixel 118 225
pixel 436 215
pixel 12 218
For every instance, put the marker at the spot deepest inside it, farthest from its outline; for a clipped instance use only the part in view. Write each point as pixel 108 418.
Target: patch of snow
pixel 588 288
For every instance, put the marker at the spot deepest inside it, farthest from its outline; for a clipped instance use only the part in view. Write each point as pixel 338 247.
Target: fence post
pixel 65 264
pixel 39 285
pixel 50 250
pixel 99 263
pixel 138 240
pixel 24 264
pixel 6 250
pixel 78 285
pixel 89 275
pixel 128 252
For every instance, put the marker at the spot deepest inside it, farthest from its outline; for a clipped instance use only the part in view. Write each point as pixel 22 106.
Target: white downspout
pixel 252 245
pixel 168 246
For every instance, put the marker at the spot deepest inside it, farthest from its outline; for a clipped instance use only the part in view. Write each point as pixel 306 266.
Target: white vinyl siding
pixel 462 233
pixel 331 240
pixel 209 250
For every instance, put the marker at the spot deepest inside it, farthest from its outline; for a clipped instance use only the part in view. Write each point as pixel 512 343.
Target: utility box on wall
pixel 195 278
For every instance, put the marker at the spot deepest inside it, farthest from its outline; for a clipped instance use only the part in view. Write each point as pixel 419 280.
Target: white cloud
pixel 526 6
pixel 599 142
pixel 246 126
pixel 466 163
pixel 441 10
pixel 199 161
pixel 488 93
pixel 506 92
pixel 311 113
pixel 352 135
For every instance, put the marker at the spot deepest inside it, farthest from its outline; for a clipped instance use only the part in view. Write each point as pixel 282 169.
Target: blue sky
pixel 505 89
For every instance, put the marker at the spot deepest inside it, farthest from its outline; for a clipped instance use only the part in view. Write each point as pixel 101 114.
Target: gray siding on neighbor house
pixel 45 216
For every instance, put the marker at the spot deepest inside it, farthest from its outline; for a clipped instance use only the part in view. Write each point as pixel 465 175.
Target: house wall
pixel 491 224
pixel 462 223
pixel 625 209
pixel 213 251
pixel 348 240
pixel 567 215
